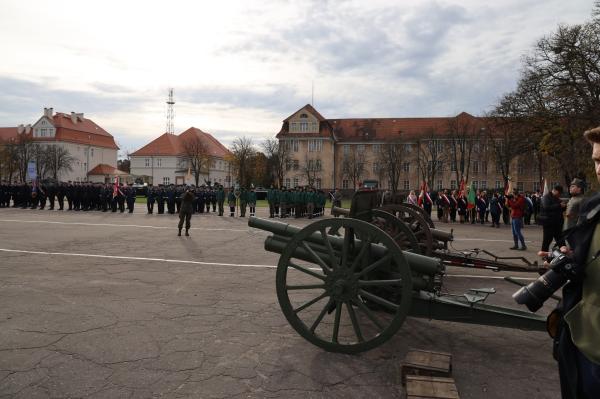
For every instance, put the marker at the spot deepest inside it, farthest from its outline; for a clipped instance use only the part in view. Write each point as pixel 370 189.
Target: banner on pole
pixel 32 170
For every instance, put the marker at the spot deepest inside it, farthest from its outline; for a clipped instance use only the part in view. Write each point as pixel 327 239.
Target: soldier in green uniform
pixel 310 202
pixel 252 201
pixel 185 212
pixel 220 195
pixel 243 201
pixel 283 195
pixel 271 200
pixel 231 199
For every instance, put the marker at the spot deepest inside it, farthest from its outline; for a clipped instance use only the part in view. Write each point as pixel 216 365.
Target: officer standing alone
pixel 185 212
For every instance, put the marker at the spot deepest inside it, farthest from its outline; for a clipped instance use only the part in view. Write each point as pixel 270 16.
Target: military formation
pixel 296 202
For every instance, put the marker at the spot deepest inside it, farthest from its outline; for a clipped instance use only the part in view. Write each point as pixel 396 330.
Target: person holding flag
pixel 424 199
pixel 471 204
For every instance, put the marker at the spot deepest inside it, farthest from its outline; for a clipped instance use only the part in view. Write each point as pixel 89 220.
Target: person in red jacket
pixel 517 205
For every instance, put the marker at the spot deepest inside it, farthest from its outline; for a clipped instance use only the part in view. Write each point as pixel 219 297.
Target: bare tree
pixel 311 169
pixel 278 155
pixel 390 160
pixel 353 166
pixel 197 155
pixel 22 151
pixel 431 156
pixel 243 151
pixel 464 141
pixel 58 160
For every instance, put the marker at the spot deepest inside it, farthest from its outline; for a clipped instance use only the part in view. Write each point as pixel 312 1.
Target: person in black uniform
pixel 186 210
pixel 171 199
pixel 160 199
pixel 60 195
pixel 130 195
pixel 200 200
pixel 150 199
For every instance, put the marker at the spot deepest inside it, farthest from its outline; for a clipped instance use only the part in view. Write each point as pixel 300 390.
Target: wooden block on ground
pixel 429 363
pixel 425 387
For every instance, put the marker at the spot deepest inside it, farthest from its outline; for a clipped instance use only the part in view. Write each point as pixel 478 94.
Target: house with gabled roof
pixel 318 149
pixel 164 159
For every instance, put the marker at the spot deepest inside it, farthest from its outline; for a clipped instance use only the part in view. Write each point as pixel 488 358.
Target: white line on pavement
pixel 206 263
pixel 117 225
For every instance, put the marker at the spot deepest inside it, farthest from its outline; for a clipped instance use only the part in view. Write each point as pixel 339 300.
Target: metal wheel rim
pixel 422 228
pixel 410 243
pixel 421 212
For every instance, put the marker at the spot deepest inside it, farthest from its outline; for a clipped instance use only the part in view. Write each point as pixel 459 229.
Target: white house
pixel 164 161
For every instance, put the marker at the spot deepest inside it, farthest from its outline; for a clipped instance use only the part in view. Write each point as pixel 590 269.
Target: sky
pixel 238 68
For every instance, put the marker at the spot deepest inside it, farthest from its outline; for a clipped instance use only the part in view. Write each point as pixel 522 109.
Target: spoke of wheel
pixel 329 247
pixel 378 283
pixel 305 270
pixel 311 302
pixel 368 312
pixel 378 300
pixel 336 322
pixel 304 287
pixel 317 258
pixel 366 245
pixel 320 317
pixel 375 265
pixel 355 324
pixel 345 247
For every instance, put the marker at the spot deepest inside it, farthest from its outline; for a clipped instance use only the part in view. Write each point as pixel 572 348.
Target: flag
pixel 189 174
pixel 424 194
pixel 508 188
pixel 471 197
pixel 116 186
pixel 546 190
pixel 461 190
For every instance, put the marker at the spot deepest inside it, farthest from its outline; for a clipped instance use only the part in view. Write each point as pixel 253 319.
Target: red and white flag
pixel 116 187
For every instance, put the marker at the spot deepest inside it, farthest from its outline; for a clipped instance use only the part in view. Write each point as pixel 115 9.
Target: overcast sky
pixel 241 67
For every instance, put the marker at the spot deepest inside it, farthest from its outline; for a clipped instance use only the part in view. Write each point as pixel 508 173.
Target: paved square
pixel 116 306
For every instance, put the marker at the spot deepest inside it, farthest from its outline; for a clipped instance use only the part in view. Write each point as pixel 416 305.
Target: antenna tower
pixel 170 113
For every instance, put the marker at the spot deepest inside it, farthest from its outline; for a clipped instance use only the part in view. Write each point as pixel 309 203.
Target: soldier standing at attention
pixel 160 199
pixel 213 197
pixel 220 199
pixel 252 201
pixel 283 195
pixel 150 199
pixel 271 201
pixel 243 202
pixel 231 200
pixel 185 212
pixel 130 193
pixel 171 199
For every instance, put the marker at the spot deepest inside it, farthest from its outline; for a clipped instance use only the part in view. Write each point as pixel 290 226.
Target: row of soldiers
pixel 79 196
pixel 170 196
pixel 296 202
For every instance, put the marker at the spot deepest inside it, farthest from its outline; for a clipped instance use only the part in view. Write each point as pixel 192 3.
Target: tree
pixel 124 165
pixel 278 155
pixel 259 170
pixel 311 169
pixel 22 153
pixel 431 156
pixel 243 151
pixel 353 166
pixel 465 137
pixel 197 155
pixel 58 160
pixel 389 162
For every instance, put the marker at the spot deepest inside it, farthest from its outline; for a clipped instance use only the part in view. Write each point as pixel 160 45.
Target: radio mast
pixel 170 113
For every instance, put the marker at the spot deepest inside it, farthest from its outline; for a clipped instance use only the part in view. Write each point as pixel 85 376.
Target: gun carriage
pixel 348 284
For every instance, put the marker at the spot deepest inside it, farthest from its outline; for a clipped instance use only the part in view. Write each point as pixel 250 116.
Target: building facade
pixel 345 153
pixel 88 143
pixel 166 161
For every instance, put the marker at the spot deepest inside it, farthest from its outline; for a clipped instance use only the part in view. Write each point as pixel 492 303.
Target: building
pixel 166 161
pixel 324 152
pixel 88 143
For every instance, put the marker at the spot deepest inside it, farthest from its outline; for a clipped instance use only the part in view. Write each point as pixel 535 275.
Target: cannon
pixel 345 285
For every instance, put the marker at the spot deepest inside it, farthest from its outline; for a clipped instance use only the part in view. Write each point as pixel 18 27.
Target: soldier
pixel 69 192
pixel 310 198
pixel 171 199
pixel 42 195
pixel 243 202
pixel 220 196
pixel 213 198
pixel 150 199
pixel 271 201
pixel 130 195
pixel 51 195
pixel 178 193
pixel 231 200
pixel 186 210
pixel 283 195
pixel 60 195
pixel 160 199
pixel 252 201
pixel 207 195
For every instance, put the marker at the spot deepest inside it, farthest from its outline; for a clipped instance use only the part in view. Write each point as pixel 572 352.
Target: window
pixel 498 167
pixel 484 167
pixel 520 168
pixel 498 185
pixel 376 148
pixel 452 184
pixel 406 185
pixel 520 186
pixel 315 145
pixel 453 166
pixel 147 162
pixel 345 184
pixel 475 166
pixel 406 166
pixel 475 184
pixel 159 162
pixel 346 149
pixel 536 186
pixel 287 183
pixel 439 184
pixel 43 132
pixel 408 148
pixel 296 165
pixel 295 145
pixel 318 183
pixel 361 148
pixel 303 116
pixel 295 182
pixel 92 152
pixel 166 180
pixel 483 184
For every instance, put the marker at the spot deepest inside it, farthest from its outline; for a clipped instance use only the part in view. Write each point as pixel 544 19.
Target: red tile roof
pixel 6 133
pixel 104 169
pixel 172 145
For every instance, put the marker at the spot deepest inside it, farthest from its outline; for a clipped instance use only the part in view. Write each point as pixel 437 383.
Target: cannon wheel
pixel 422 212
pixel 345 284
pixel 396 229
pixel 416 223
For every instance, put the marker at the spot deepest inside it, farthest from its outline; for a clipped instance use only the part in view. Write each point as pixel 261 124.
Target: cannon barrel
pixel 337 211
pixel 441 235
pixel 418 263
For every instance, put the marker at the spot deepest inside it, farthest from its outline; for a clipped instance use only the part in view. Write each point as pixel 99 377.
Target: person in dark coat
pixel 185 212
pixel 551 218
pixel 495 210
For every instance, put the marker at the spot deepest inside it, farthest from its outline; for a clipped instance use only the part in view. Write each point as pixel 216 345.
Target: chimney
pixel 73 117
pixel 28 128
pixel 50 112
pixel 79 116
pixel 20 129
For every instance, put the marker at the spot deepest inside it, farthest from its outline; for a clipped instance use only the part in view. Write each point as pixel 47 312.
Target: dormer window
pixel 303 116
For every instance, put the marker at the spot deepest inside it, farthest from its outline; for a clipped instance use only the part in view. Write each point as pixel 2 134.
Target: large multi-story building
pixel 165 160
pixel 89 144
pixel 324 152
